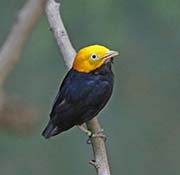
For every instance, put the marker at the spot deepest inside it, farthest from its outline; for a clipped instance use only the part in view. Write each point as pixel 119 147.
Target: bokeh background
pixel 141 120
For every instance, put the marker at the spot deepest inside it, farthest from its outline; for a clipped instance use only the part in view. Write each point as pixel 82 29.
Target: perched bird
pixel 84 91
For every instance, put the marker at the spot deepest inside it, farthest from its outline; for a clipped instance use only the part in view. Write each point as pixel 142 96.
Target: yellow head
pixel 92 57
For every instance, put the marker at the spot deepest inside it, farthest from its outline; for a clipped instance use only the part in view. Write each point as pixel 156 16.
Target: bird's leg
pixel 85 130
pixel 92 135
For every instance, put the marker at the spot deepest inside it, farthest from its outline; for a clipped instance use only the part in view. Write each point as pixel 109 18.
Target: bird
pixel 85 90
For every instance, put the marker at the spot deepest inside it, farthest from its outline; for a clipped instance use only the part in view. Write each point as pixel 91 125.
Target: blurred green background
pixel 142 119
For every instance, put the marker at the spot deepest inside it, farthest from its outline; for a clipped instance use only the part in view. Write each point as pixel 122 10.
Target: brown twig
pixel 13 113
pixel 15 42
pixel 60 34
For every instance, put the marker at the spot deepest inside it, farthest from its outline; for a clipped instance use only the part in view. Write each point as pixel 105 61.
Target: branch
pixel 24 24
pixel 13 113
pixel 99 149
pixel 61 36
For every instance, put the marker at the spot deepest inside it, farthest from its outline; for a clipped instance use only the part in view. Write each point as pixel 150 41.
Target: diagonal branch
pixel 14 44
pixel 14 113
pixel 61 36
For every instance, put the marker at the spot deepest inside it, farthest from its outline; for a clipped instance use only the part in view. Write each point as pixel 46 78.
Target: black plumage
pixel 80 98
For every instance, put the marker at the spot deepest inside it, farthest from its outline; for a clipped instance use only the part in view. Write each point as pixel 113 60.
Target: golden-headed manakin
pixel 84 91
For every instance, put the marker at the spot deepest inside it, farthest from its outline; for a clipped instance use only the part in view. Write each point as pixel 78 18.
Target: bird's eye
pixel 94 56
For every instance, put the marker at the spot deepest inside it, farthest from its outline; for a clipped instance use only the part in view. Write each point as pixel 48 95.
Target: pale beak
pixel 109 55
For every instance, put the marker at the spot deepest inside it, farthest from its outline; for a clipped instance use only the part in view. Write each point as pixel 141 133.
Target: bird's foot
pixel 90 134
pixel 94 163
pixel 99 133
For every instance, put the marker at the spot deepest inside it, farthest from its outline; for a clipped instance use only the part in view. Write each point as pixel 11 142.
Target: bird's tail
pixel 50 130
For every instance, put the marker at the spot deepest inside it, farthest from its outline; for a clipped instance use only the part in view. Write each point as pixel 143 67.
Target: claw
pixel 97 134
